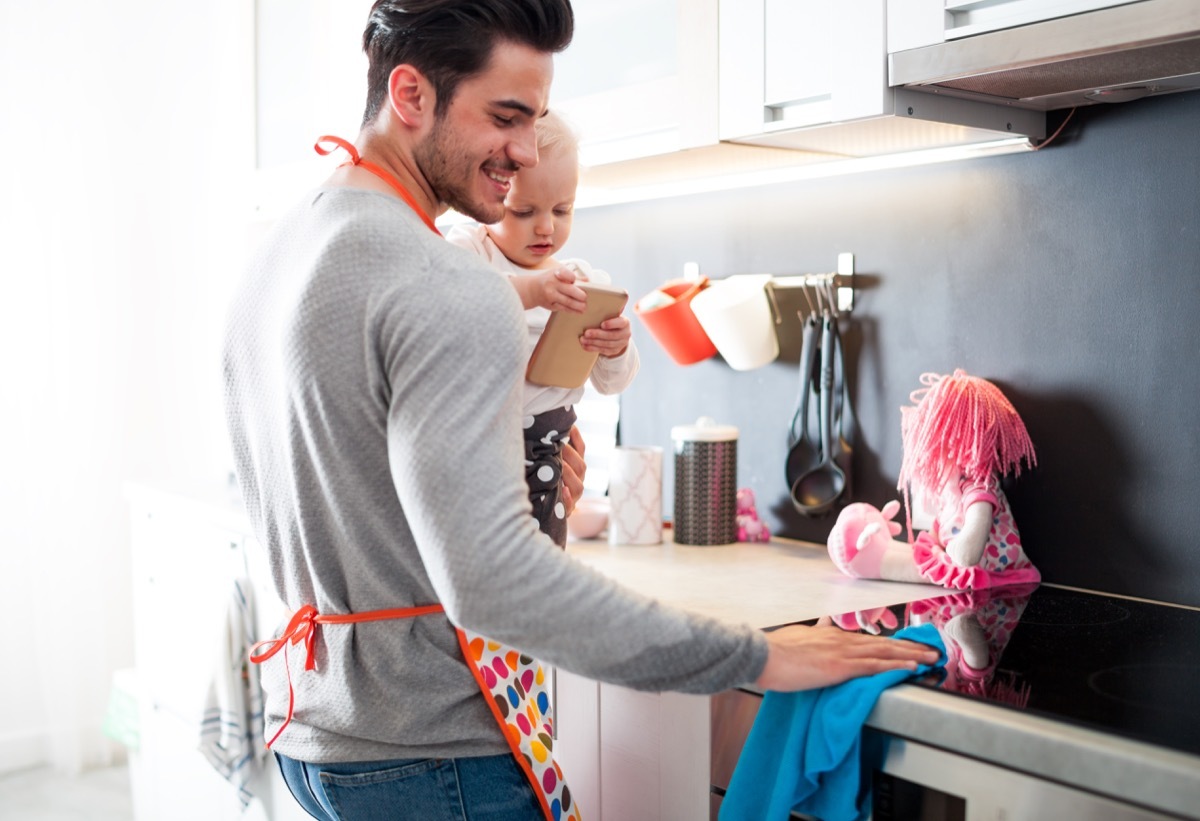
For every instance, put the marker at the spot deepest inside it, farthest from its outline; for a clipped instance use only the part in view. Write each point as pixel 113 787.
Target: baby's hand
pixel 610 339
pixel 556 291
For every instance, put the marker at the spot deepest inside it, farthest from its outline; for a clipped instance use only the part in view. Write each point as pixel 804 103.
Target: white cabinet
pixel 795 63
pixel 629 754
pixel 639 78
pixel 811 75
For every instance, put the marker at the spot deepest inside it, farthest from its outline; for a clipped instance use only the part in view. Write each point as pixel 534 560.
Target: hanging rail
pixel 840 282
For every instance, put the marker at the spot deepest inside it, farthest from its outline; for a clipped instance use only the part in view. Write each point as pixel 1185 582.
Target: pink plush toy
pixel 960 439
pixel 749 527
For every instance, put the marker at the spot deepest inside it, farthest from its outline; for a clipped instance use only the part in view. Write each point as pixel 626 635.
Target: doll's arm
pixel 966 548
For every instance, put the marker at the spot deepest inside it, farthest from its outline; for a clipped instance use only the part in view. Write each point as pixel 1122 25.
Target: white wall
pixel 127 140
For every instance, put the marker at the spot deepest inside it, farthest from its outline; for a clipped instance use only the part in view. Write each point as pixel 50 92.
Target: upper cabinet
pixel 639 78
pixel 812 75
pixel 787 64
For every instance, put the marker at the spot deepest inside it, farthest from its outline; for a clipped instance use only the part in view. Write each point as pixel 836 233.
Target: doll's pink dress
pixel 1003 561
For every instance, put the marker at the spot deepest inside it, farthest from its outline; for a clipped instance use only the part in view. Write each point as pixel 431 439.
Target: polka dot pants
pixel 544 435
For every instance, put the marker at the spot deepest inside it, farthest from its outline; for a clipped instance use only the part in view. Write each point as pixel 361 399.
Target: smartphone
pixel 558 359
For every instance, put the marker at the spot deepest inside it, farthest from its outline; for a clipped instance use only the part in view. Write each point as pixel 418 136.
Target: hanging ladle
pixel 816 490
pixel 803 452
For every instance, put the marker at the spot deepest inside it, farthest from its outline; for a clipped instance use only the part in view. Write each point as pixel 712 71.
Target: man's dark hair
pixel 451 40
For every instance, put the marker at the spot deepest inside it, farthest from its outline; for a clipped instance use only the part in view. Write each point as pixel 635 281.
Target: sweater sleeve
pixel 454 360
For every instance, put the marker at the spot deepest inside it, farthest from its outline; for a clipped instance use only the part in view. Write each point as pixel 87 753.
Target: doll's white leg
pixel 897 564
pixel 966 631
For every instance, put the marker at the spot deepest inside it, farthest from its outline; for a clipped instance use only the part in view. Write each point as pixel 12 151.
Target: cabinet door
pixel 639 78
pixel 654 755
pixel 789 64
pixel 577 737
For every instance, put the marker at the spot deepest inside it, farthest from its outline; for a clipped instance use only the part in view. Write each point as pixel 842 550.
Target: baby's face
pixel 538 211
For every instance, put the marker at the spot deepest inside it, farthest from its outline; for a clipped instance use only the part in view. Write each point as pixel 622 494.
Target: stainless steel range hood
pixel 1110 55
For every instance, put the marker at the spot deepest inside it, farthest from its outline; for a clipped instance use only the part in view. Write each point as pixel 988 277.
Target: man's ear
pixel 411 95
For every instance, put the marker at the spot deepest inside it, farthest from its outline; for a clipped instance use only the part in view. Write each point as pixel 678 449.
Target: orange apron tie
pixel 303 628
pixel 387 177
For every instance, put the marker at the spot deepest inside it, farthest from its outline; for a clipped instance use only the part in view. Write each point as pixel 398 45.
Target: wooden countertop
pixel 760 584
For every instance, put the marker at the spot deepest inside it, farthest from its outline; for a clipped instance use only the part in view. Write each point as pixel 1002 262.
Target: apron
pixel 512 684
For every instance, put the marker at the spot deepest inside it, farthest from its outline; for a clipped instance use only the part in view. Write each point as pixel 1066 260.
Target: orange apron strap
pixel 303 628
pixel 383 174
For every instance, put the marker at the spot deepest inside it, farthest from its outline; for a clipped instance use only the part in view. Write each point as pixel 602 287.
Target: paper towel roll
pixel 635 495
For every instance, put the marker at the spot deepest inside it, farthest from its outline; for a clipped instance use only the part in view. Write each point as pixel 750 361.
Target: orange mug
pixel 675 326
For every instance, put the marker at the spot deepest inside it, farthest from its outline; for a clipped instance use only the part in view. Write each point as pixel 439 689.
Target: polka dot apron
pixel 512 684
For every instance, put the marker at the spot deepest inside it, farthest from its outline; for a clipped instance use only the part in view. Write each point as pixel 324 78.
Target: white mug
pixel 635 495
pixel 736 314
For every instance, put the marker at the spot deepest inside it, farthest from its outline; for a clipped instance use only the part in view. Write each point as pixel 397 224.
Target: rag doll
pixel 960 438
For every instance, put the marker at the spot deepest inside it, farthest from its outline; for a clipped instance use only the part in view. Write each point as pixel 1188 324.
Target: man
pixel 373 378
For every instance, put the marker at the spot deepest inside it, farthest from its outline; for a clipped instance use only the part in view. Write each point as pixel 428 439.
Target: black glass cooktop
pixel 1109 663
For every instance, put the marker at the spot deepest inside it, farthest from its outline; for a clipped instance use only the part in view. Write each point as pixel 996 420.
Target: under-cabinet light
pixel 589 196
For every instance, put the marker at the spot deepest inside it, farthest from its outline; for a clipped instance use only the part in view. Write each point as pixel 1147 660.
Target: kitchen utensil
pixel 736 314
pixel 705 483
pixel 843 413
pixel 803 452
pixel 817 489
pixel 674 324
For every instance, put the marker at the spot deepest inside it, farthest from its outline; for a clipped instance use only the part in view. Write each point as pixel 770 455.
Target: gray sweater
pixel 373 393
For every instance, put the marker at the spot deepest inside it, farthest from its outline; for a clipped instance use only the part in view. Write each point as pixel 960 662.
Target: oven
pixel 1055 703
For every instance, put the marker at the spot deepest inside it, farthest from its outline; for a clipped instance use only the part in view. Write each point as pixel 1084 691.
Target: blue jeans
pixel 429 789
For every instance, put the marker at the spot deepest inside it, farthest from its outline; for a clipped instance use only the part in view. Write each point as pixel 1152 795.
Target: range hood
pixel 1110 55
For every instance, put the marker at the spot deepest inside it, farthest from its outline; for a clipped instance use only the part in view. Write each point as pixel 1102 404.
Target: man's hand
pixel 573 469
pixel 804 658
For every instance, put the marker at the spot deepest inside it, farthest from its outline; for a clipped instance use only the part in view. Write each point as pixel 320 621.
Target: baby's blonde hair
pixel 555 135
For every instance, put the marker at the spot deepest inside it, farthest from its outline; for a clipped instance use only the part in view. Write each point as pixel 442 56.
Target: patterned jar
pixel 705 483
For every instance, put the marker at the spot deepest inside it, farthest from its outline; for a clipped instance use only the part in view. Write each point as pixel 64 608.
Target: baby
pixel 536 223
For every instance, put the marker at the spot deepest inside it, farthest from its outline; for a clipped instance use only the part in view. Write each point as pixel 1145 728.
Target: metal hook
pixel 812 309
pixel 831 293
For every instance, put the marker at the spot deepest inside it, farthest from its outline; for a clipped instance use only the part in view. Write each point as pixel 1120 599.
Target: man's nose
pixel 523 148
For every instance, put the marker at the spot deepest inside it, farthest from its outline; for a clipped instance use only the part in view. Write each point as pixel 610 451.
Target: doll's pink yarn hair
pixel 961 424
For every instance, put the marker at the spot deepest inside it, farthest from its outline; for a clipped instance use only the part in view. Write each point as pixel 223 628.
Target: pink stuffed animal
pixel 960 439
pixel 749 527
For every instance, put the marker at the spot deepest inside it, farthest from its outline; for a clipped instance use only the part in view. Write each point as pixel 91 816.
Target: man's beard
pixel 450 174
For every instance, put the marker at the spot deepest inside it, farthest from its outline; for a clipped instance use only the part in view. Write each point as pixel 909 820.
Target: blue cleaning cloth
pixel 803 752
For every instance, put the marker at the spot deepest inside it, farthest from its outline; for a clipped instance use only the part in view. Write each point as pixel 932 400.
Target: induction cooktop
pixel 1110 663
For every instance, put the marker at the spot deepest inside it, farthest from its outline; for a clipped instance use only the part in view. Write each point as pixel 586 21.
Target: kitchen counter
pixel 785 581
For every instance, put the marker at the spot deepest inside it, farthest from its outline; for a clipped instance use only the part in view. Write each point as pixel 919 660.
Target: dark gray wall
pixel 1069 276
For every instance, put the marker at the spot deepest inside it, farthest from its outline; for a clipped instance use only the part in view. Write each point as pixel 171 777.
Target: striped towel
pixel 231 731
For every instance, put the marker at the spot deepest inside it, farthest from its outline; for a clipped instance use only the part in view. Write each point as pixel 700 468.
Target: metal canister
pixel 705 483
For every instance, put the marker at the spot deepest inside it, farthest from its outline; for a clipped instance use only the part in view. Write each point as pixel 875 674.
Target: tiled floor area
pixel 41 795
